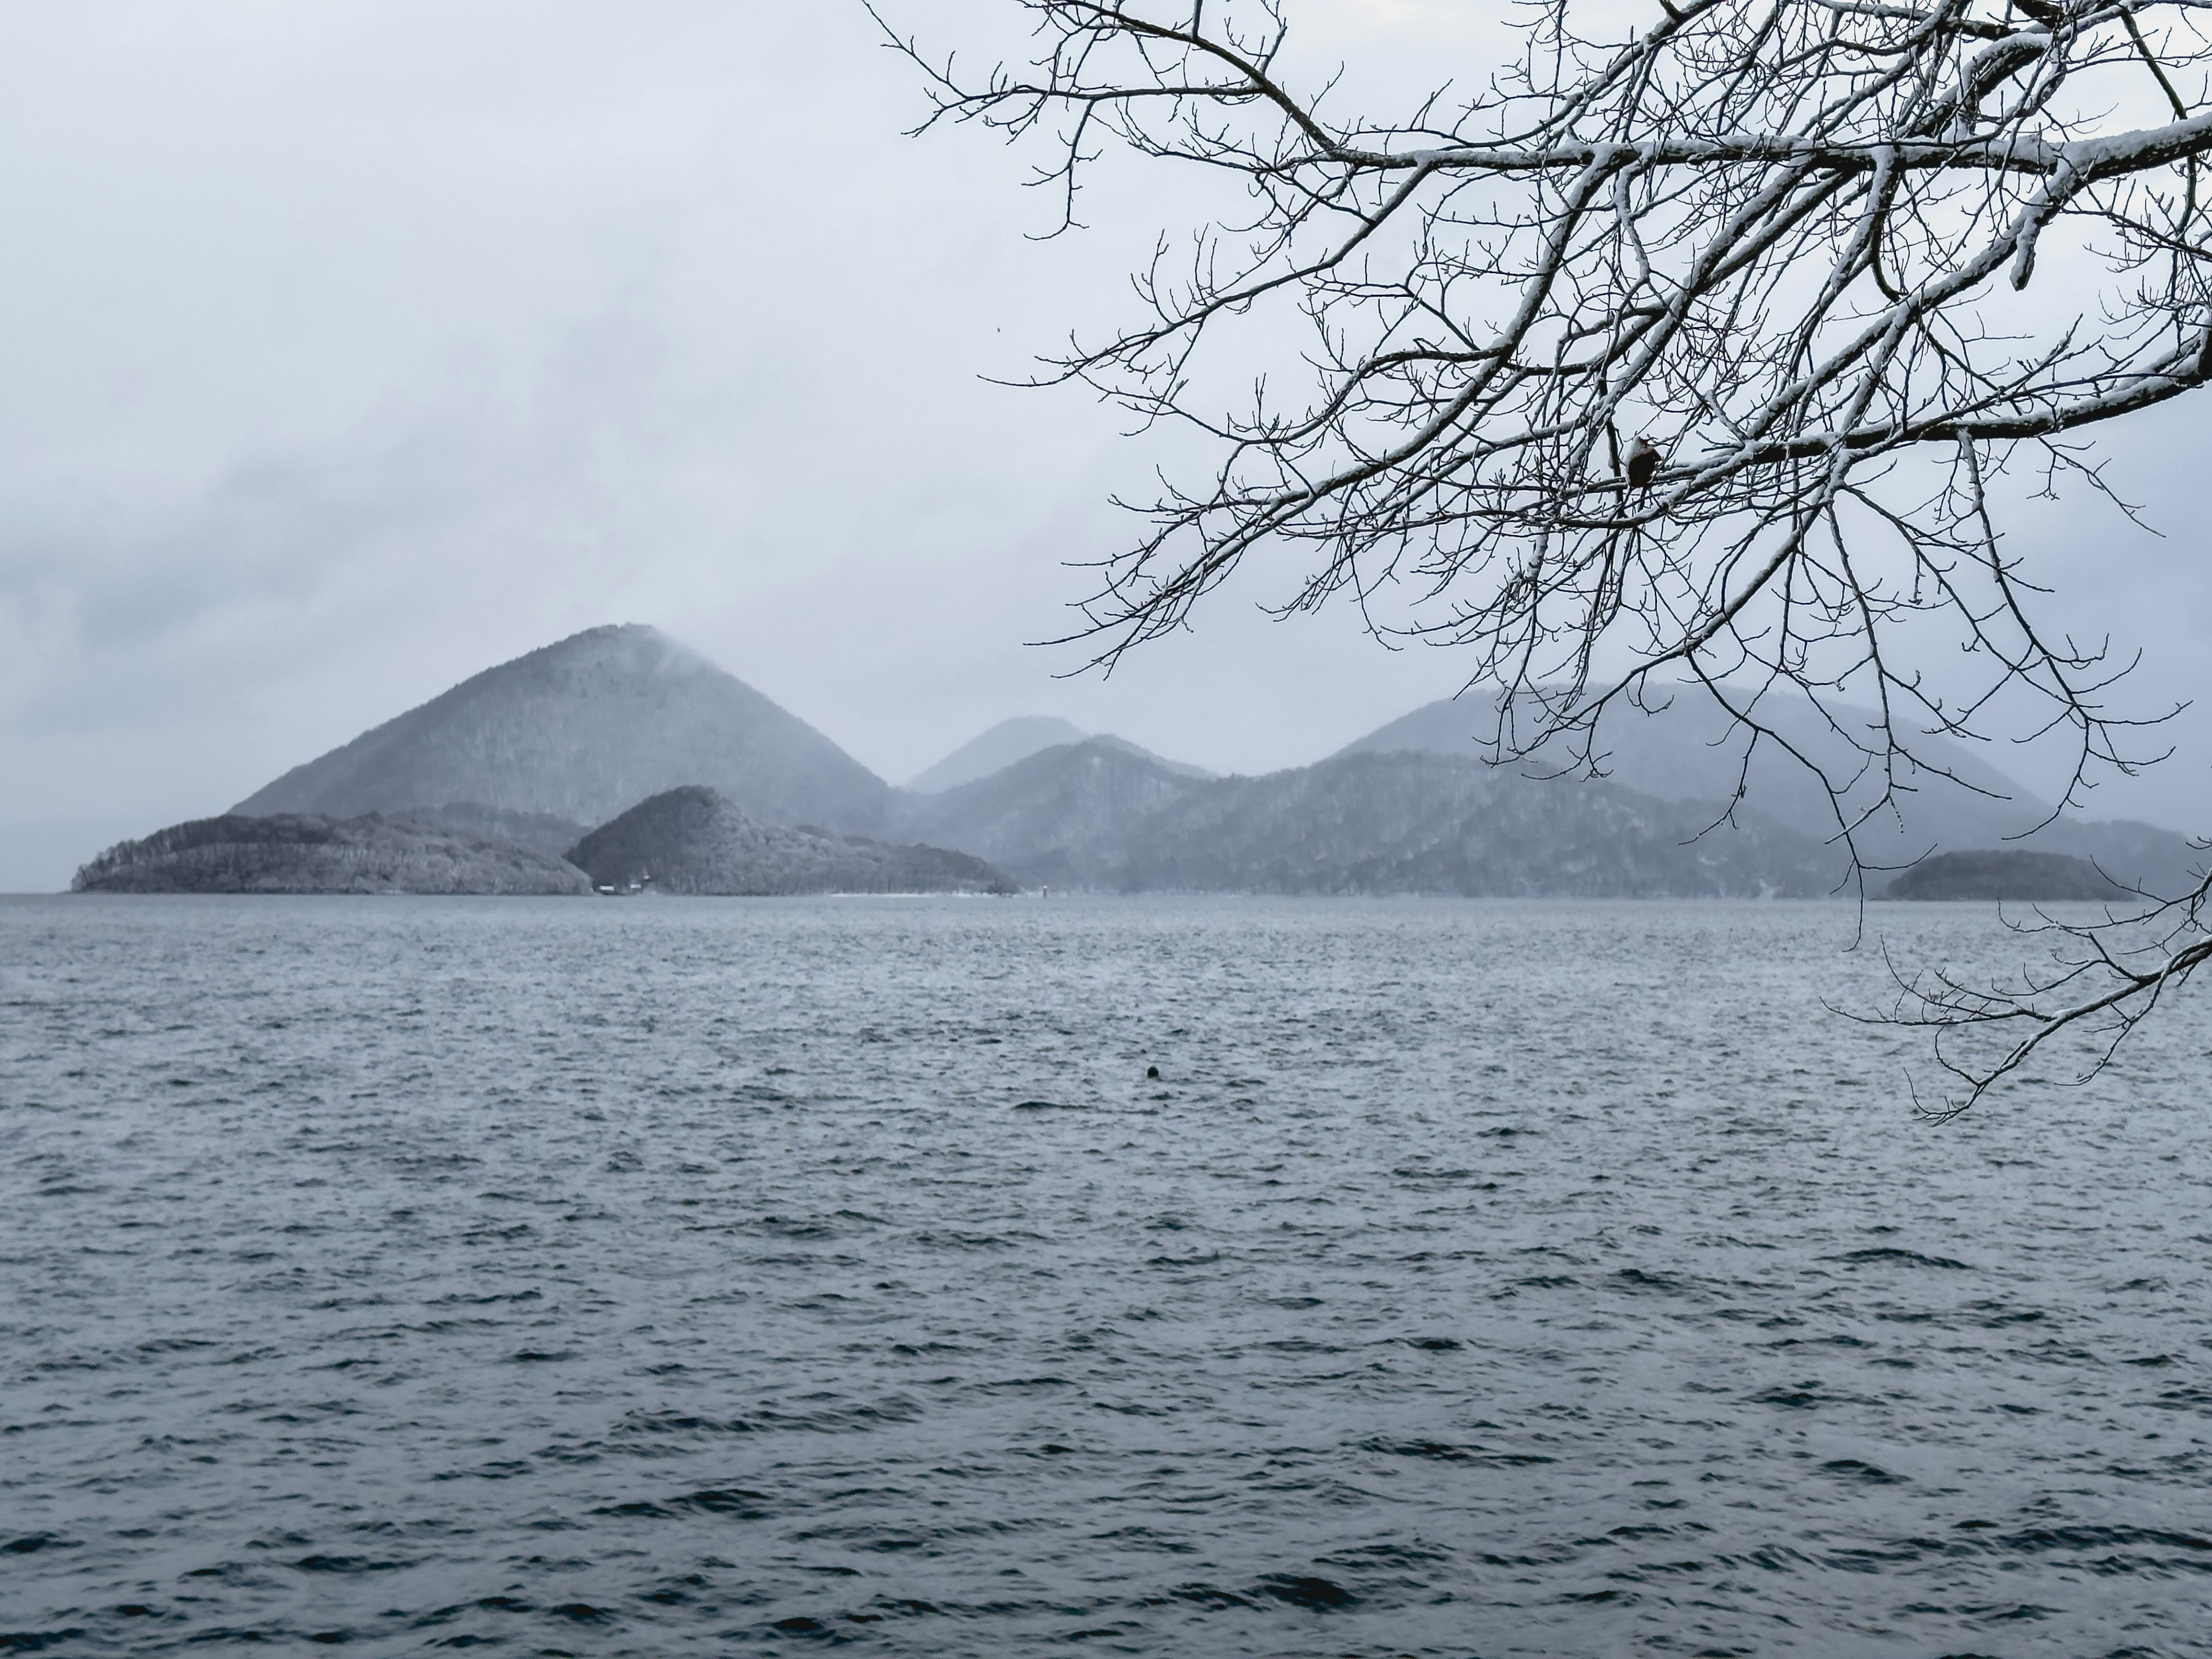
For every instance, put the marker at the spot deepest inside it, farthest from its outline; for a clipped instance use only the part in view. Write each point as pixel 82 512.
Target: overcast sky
pixel 347 350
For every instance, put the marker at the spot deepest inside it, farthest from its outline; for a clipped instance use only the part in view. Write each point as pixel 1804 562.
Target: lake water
pixel 701 1277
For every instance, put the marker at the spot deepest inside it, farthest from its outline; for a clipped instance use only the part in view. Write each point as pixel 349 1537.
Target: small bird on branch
pixel 1643 462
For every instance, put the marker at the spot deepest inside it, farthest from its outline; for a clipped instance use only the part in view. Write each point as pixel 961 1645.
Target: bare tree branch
pixel 2101 979
pixel 1790 243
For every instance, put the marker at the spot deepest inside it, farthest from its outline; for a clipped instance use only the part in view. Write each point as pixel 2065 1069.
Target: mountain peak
pixel 1004 745
pixel 1687 749
pixel 1010 742
pixel 583 729
pixel 633 644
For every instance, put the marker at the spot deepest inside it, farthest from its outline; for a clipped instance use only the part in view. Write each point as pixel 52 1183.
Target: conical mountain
pixel 584 730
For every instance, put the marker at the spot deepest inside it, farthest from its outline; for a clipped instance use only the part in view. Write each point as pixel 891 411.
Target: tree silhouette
pixel 1689 356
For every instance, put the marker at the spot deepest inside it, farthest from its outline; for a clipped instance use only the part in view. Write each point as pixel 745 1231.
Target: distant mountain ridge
pixel 1685 752
pixel 1068 803
pixel 1006 743
pixel 585 729
pixel 1409 823
pixel 1096 816
pixel 597 727
pixel 1013 741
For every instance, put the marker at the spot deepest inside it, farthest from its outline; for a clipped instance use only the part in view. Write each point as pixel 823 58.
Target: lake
pixel 1474 1278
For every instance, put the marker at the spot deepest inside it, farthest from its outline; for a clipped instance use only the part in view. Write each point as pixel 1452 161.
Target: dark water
pixel 668 1278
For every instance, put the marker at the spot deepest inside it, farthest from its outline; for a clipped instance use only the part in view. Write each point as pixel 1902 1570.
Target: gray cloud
pixel 347 350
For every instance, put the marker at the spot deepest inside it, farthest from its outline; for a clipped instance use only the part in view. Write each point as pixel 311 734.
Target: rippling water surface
pixel 699 1277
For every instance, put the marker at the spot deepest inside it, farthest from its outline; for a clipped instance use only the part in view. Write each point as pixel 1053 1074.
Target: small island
pixel 2009 875
pixel 690 840
pixel 306 852
pixel 693 839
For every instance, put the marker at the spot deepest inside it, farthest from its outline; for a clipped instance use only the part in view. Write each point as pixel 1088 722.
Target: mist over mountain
pixel 1180 768
pixel 694 840
pixel 583 730
pixel 1010 742
pixel 698 780
pixel 1685 752
pixel 1055 818
pixel 1093 816
pixel 1413 823
pixel 1005 744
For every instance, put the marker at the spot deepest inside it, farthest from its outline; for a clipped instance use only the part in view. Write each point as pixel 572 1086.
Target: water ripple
pixel 937 1277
